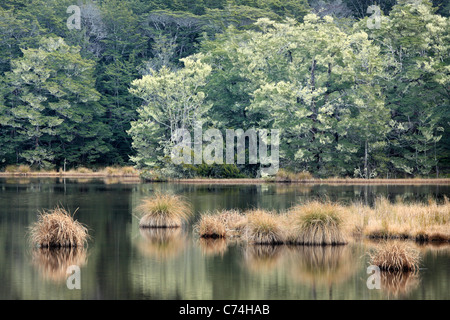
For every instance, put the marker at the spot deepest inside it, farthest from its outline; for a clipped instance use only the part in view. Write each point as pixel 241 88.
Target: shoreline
pixel 136 177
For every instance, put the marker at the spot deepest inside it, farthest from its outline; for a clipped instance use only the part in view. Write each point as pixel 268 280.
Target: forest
pixel 355 92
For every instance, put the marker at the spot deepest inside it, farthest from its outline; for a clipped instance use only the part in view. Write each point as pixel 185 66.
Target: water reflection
pixel 263 259
pixel 161 243
pixel 52 263
pixel 399 284
pixel 213 247
pixel 128 263
pixel 322 265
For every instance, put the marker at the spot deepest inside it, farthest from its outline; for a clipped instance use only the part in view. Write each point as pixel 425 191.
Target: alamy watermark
pixel 74 280
pixel 374 21
pixel 374 280
pixel 74 21
pixel 258 143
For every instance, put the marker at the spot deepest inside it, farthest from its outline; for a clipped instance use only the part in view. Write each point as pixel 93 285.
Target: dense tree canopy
pixel 349 98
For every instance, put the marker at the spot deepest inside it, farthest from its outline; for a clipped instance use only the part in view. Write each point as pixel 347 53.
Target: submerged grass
pixel 57 228
pixel 164 211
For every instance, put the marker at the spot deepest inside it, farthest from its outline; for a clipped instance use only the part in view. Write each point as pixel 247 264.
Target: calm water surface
pixel 123 262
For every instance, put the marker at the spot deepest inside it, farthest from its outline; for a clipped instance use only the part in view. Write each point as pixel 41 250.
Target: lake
pixel 124 262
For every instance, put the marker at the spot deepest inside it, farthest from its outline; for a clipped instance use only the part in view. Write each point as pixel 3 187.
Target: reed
pixel 422 222
pixel 163 211
pixel 395 256
pixel 57 228
pixel 316 223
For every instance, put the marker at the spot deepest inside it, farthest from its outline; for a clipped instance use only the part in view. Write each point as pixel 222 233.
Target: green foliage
pixel 225 171
pixel 349 100
pixel 50 109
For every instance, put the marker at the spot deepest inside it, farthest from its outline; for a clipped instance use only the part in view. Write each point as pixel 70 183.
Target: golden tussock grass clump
pixel 161 243
pixel 211 226
pixel 264 227
pixel 164 211
pixel 53 262
pixel 316 223
pixel 395 256
pixel 213 247
pixel 57 228
pixel 224 224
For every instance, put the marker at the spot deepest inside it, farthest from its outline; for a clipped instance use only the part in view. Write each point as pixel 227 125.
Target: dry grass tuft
pixel 211 226
pixel 83 170
pixel 422 222
pixel 163 211
pixel 224 224
pixel 57 228
pixel 316 223
pixel 395 256
pixel 265 228
pixel 288 176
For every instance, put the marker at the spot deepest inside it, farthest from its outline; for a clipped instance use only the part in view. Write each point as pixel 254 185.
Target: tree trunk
pixel 366 170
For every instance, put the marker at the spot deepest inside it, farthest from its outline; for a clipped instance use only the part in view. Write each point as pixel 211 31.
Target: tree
pixel 312 81
pixel 50 107
pixel 416 42
pixel 172 100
